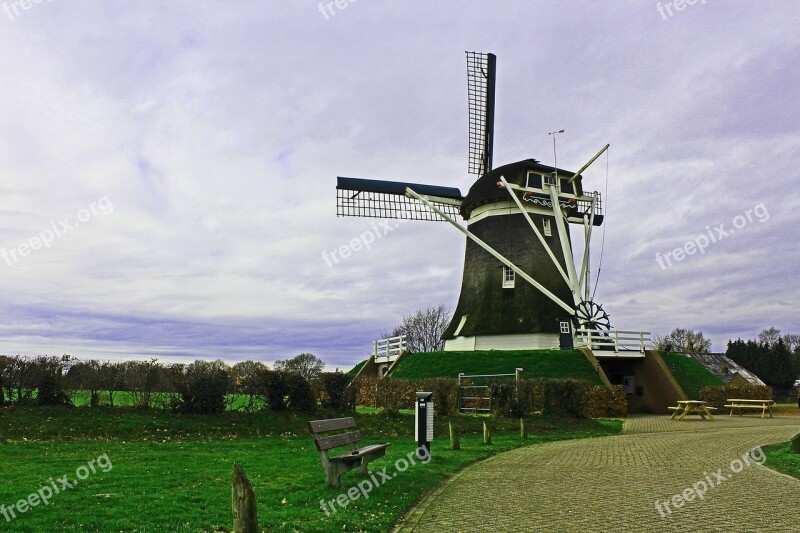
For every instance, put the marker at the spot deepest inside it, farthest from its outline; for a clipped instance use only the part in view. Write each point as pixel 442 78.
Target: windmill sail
pixel 481 69
pixel 357 197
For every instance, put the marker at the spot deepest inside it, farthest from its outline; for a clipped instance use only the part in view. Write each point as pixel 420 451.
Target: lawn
pixel 535 364
pixel 690 375
pixel 172 472
pixel 780 458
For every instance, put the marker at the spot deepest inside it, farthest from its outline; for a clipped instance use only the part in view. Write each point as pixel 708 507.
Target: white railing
pixel 386 350
pixel 615 340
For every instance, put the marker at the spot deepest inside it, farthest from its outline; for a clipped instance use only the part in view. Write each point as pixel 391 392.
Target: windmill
pixel 521 287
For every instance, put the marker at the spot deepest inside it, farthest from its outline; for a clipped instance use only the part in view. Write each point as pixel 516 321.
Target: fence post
pixel 243 501
pixel 523 429
pixel 487 434
pixel 616 341
pixel 460 393
pixel 455 443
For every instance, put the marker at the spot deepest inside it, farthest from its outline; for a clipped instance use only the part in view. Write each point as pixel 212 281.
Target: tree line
pixel 773 357
pixel 297 384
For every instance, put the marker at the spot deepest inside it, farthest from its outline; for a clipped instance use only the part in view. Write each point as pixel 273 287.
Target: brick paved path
pixel 612 483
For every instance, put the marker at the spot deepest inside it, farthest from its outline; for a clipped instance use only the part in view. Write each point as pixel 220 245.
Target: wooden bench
pixel 357 459
pixel 737 404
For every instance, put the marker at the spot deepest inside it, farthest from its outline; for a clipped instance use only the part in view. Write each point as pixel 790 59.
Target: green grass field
pixel 690 375
pixel 172 472
pixel 780 458
pixel 158 400
pixel 535 364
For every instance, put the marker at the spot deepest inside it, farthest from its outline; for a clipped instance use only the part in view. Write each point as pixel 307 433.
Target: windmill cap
pixel 485 189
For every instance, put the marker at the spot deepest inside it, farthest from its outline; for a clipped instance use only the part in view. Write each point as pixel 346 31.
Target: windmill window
pixel 549 179
pixel 508 278
pixel 534 180
pixel 565 327
pixel 546 228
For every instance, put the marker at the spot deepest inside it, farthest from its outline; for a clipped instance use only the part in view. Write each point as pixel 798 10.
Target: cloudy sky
pixel 168 169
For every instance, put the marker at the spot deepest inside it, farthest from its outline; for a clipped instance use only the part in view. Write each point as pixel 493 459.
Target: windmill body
pixel 496 309
pixel 521 286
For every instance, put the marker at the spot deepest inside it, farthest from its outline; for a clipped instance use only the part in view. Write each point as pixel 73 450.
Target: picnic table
pixel 688 407
pixel 738 404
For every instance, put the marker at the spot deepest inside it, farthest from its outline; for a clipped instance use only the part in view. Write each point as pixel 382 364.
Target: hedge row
pixel 569 397
pixel 717 396
pixel 199 387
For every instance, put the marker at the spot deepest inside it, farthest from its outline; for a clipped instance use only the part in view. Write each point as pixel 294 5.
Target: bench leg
pixel 363 470
pixel 334 470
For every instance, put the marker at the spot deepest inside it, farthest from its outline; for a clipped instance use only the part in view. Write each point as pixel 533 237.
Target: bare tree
pixel 424 329
pixel 769 336
pixel 112 378
pixel 683 340
pixel 248 378
pixel 307 365
pixel 141 377
pixel 21 376
pixel 792 341
pixel 85 375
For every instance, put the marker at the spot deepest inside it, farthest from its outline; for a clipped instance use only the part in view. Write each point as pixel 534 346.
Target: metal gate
pixel 475 391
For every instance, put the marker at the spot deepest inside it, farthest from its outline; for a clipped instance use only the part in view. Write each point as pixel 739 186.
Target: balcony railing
pixel 615 340
pixel 387 350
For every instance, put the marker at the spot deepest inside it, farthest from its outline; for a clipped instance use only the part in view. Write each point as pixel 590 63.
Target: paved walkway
pixel 612 483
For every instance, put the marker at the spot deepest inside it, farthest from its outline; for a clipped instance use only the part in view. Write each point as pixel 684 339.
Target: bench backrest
pixel 327 442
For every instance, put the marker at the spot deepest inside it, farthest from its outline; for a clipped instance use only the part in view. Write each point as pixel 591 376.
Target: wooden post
pixel 243 500
pixel 523 429
pixel 487 434
pixel 795 444
pixel 460 393
pixel 455 443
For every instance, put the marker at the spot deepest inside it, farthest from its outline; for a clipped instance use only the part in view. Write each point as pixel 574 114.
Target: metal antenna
pixel 555 159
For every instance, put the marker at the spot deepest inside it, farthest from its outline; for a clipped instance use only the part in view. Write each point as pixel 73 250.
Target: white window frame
pixel 509 276
pixel 564 326
pixel 549 179
pixel 547 231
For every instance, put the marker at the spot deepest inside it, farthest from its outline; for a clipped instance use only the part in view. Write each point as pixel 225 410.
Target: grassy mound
pixel 535 364
pixel 690 375
pixel 353 371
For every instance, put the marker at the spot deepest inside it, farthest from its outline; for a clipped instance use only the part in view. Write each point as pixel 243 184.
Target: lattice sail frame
pixel 481 70
pixel 386 199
